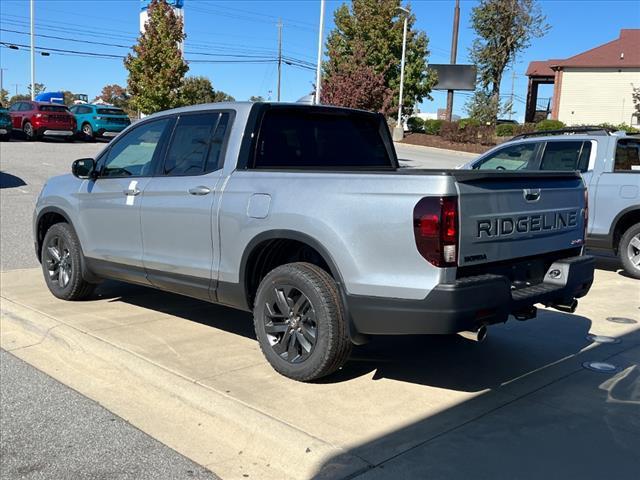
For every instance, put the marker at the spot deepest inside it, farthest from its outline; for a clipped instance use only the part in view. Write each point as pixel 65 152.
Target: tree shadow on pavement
pixel 558 421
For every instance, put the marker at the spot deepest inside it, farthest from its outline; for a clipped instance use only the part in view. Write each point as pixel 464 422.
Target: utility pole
pixel 1 78
pixel 33 55
pixel 316 97
pixel 16 85
pixel 454 54
pixel 398 131
pixel 279 55
pixel 513 87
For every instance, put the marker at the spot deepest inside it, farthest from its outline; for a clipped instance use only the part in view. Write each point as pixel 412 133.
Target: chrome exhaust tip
pixel 477 336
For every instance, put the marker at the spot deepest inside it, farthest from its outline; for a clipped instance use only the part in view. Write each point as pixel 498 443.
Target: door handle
pixel 200 190
pixel 131 191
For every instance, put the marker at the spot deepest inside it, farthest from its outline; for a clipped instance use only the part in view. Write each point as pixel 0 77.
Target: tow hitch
pixel 569 307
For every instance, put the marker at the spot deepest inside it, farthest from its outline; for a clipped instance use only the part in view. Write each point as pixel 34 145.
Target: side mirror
pixel 83 168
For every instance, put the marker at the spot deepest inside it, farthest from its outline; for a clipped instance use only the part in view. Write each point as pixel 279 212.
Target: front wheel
pixel 62 264
pixel 629 250
pixel 28 131
pixel 300 322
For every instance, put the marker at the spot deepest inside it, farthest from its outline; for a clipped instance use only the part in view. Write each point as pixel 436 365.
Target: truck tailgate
pixel 508 215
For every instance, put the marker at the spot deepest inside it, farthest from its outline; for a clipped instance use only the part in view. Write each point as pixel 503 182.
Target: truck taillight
pixel 435 227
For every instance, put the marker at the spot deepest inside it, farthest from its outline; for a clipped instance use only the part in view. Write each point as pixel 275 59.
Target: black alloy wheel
pixel 57 259
pixel 290 323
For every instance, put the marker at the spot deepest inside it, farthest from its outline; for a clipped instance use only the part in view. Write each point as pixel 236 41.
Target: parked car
pixel 610 165
pixel 36 119
pixel 302 215
pixel 5 124
pixel 99 120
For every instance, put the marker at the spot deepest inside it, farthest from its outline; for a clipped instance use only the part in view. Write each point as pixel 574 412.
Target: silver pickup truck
pixel 301 215
pixel 610 165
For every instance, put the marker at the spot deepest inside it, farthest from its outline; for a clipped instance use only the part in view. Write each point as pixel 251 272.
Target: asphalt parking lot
pixel 190 376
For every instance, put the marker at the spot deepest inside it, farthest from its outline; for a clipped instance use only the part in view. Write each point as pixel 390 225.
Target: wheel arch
pixel 625 219
pixel 261 243
pixel 47 217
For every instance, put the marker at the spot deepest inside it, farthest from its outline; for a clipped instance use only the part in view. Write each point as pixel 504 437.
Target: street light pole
pixel 316 97
pixel 398 131
pixel 454 54
pixel 33 55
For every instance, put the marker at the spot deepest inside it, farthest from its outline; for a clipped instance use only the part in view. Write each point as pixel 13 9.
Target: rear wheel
pixel 87 132
pixel 300 322
pixel 629 250
pixel 62 264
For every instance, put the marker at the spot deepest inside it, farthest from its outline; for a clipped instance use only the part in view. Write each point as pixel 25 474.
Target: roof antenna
pixel 621 55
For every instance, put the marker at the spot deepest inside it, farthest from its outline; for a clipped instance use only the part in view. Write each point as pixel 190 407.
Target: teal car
pixel 94 121
pixel 5 124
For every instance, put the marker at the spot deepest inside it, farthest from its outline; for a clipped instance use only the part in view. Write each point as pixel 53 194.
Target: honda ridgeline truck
pixel 301 215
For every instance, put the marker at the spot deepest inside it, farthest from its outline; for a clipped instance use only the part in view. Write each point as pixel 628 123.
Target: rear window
pixel 566 156
pixel 53 108
pixel 627 156
pixel 303 138
pixel 110 111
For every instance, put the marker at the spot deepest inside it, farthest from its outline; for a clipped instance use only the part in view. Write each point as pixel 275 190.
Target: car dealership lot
pixel 191 375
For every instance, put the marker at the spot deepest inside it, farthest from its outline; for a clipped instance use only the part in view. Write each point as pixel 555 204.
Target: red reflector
pixel 429 225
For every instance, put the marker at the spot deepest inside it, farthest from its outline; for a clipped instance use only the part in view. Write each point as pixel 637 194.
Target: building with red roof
pixel 592 87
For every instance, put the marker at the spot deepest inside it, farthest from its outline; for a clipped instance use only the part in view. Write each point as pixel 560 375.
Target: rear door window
pixel 295 138
pixel 563 155
pixel 514 157
pixel 196 144
pixel 627 156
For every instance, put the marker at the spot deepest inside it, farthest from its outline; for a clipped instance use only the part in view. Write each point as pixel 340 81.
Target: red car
pixel 36 119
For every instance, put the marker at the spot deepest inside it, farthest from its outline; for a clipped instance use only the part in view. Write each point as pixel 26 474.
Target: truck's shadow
pixel 510 351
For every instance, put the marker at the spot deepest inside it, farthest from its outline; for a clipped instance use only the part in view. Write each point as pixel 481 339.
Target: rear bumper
pixel 469 302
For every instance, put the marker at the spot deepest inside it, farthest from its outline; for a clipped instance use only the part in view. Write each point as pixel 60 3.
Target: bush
pixel 415 124
pixel 626 128
pixel 470 133
pixel 432 127
pixel 506 130
pixel 546 125
pixel 524 128
pixel 465 122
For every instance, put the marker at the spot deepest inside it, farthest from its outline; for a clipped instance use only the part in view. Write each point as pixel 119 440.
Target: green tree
pixel 373 29
pixel 636 101
pixel 484 107
pixel 221 96
pixel 196 90
pixel 156 67
pixel 114 94
pixel 68 97
pixel 4 97
pixel 504 28
pixel 256 98
pixel 37 88
pixel 18 98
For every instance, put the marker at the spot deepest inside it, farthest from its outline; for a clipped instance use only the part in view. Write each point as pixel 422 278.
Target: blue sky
pixel 248 29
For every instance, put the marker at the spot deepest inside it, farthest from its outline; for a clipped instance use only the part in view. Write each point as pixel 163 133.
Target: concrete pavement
pixel 190 375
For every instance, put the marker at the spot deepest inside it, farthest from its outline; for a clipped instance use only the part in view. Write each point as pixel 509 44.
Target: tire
pixel 87 132
pixel 28 131
pixel 312 344
pixel 5 138
pixel 65 281
pixel 629 251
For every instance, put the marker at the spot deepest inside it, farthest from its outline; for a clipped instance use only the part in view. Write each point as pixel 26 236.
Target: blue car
pixel 94 121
